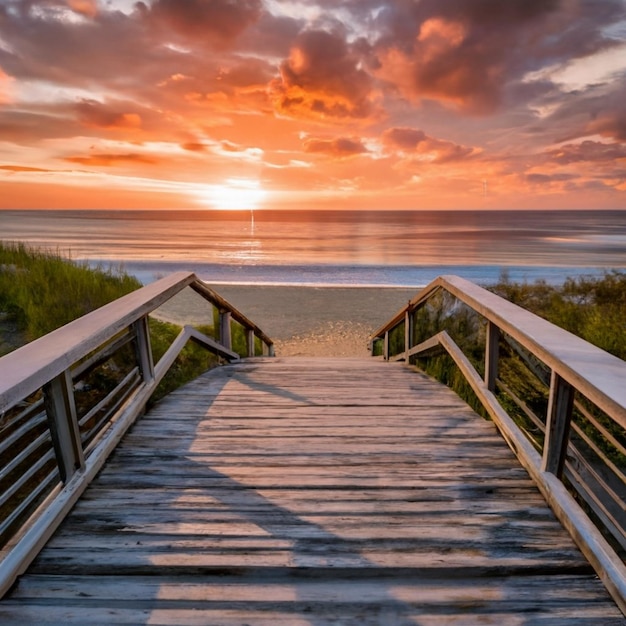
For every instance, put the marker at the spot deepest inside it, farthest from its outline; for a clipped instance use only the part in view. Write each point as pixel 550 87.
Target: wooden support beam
pixel 250 342
pixel 408 334
pixel 560 405
pixel 225 335
pixel 62 420
pixel 144 348
pixel 491 355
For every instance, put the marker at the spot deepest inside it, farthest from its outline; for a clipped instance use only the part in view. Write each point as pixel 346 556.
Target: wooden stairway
pixel 303 491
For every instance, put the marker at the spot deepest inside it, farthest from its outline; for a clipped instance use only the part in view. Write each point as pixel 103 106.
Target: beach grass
pixel 41 290
pixel 590 307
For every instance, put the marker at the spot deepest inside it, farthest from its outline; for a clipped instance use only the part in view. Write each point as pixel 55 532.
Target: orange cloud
pixel 341 147
pixel 323 79
pixel 88 8
pixel 22 168
pixel 5 88
pixel 193 146
pixel 108 160
pixel 416 143
pixel 403 138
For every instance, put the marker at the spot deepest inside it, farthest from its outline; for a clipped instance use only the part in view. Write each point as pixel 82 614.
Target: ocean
pixel 393 248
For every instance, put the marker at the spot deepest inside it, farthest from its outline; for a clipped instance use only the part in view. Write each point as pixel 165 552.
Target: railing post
pixel 250 342
pixel 408 332
pixel 144 348
pixel 491 355
pixel 225 336
pixel 386 346
pixel 559 418
pixel 63 422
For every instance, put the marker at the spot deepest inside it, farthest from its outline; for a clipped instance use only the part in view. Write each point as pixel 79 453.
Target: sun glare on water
pixel 233 194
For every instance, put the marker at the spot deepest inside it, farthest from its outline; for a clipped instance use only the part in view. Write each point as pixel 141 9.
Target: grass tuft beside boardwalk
pixel 41 291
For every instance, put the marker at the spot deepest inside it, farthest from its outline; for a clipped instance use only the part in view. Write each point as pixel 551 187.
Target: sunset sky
pixel 399 104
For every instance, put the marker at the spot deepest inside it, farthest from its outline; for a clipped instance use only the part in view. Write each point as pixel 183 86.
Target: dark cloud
pixel 271 36
pixel 610 124
pixel 29 127
pixel 340 147
pixel 546 179
pixel 215 21
pixel 113 49
pixel 594 151
pixel 469 53
pixel 322 78
pixel 593 110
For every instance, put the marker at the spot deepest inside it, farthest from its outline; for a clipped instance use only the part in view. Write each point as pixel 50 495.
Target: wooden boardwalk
pixel 311 492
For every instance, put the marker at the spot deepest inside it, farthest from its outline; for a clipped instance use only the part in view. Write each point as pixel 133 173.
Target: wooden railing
pixel 67 399
pixel 559 402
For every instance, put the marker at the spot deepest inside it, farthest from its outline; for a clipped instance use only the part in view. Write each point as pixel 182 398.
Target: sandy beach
pixel 304 321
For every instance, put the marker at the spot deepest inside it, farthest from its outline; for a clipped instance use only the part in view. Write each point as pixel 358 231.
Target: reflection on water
pixel 329 238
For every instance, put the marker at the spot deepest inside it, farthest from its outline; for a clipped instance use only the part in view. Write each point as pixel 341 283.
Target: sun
pixel 233 194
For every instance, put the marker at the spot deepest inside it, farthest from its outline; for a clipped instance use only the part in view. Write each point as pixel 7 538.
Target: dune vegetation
pixel 41 291
pixel 591 307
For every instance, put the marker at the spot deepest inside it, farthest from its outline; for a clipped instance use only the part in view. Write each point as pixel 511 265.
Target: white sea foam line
pixel 311 285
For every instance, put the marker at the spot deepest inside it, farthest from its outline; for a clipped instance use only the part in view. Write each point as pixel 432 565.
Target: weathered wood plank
pixel 211 600
pixel 298 495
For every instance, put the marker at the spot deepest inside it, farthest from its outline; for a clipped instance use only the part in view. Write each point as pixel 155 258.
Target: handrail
pixel 598 375
pixel 52 363
pixel 28 368
pixel 575 365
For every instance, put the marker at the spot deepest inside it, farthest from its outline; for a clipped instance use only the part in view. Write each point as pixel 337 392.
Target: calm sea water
pixel 333 247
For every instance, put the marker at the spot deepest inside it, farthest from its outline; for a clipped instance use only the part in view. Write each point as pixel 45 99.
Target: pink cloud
pixel 413 142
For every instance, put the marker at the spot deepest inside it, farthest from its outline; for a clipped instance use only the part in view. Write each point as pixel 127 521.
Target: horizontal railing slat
pixel 30 449
pixel 47 484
